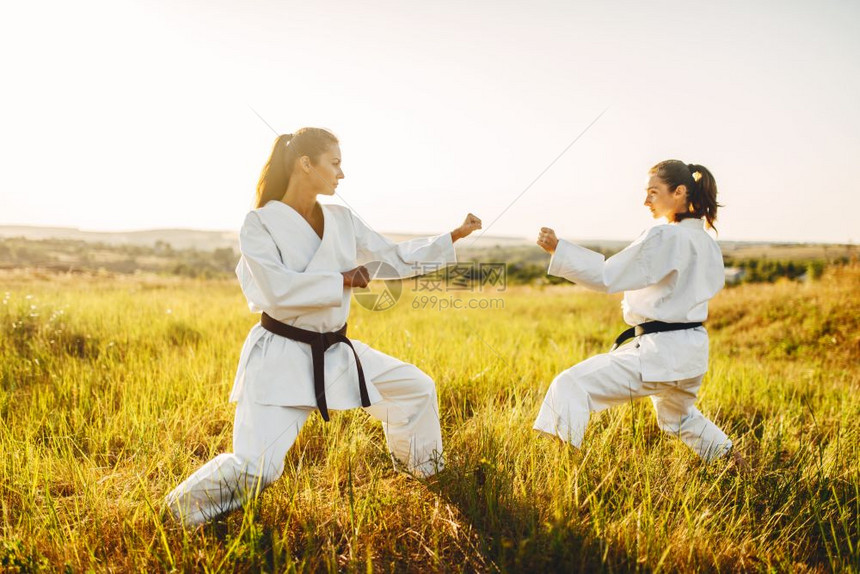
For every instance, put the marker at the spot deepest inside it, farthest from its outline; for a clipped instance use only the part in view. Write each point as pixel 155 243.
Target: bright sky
pixel 122 115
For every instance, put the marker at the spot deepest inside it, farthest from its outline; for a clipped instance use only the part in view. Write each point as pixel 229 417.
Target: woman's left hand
pixel 471 223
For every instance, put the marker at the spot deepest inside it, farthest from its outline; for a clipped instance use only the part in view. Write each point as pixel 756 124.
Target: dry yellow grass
pixel 114 389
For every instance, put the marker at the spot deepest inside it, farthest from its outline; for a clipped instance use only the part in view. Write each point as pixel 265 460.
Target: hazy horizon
pixel 391 233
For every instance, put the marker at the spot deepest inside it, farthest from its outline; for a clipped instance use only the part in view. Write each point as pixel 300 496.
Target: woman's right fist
pixel 358 277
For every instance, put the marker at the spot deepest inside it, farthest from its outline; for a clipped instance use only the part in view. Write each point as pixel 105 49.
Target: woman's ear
pixel 681 191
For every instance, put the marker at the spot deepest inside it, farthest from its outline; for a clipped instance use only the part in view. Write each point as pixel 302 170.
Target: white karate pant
pixel 262 435
pixel 614 378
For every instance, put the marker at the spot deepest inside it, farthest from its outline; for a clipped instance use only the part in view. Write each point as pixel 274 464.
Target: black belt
pixel 319 342
pixel 651 327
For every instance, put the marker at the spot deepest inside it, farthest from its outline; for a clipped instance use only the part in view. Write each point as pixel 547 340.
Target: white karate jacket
pixel 668 274
pixel 290 273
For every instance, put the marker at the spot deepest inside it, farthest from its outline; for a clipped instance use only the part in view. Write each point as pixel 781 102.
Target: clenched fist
pixel 358 277
pixel 471 223
pixel 547 240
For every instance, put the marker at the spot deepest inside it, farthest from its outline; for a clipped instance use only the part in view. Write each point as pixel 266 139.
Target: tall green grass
pixel 115 389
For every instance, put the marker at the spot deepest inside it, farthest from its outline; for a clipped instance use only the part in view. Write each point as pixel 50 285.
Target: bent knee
pixel 422 384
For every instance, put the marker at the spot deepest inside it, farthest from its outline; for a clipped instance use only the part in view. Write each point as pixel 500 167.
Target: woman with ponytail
pixel 300 259
pixel 668 275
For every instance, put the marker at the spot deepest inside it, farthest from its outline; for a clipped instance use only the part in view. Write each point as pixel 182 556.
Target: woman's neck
pixel 303 201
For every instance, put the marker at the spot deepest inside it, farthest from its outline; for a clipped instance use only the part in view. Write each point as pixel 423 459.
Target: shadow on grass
pixel 514 535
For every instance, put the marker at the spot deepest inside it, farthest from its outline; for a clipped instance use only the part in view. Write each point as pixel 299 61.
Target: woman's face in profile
pixel 327 171
pixel 661 201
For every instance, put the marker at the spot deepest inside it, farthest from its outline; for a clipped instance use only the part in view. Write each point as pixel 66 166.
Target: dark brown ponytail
pixel 701 188
pixel 275 177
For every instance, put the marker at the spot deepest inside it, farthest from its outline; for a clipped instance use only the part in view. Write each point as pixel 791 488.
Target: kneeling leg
pixel 262 435
pixel 409 412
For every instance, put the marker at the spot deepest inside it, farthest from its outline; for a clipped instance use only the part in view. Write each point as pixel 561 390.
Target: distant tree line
pixel 73 256
pixel 761 270
pixel 523 265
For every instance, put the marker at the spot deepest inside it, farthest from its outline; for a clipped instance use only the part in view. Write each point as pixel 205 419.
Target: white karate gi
pixel 669 274
pixel 294 276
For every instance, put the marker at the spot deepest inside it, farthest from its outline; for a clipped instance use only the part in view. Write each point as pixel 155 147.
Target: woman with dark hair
pixel 668 275
pixel 299 261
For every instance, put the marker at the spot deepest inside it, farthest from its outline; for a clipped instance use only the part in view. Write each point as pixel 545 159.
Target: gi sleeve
pixel 269 283
pixel 408 258
pixel 646 261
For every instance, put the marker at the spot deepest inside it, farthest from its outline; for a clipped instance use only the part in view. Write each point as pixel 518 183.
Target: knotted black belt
pixel 319 342
pixel 651 327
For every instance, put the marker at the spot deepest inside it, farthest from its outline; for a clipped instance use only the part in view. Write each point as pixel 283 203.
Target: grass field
pixel 114 389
